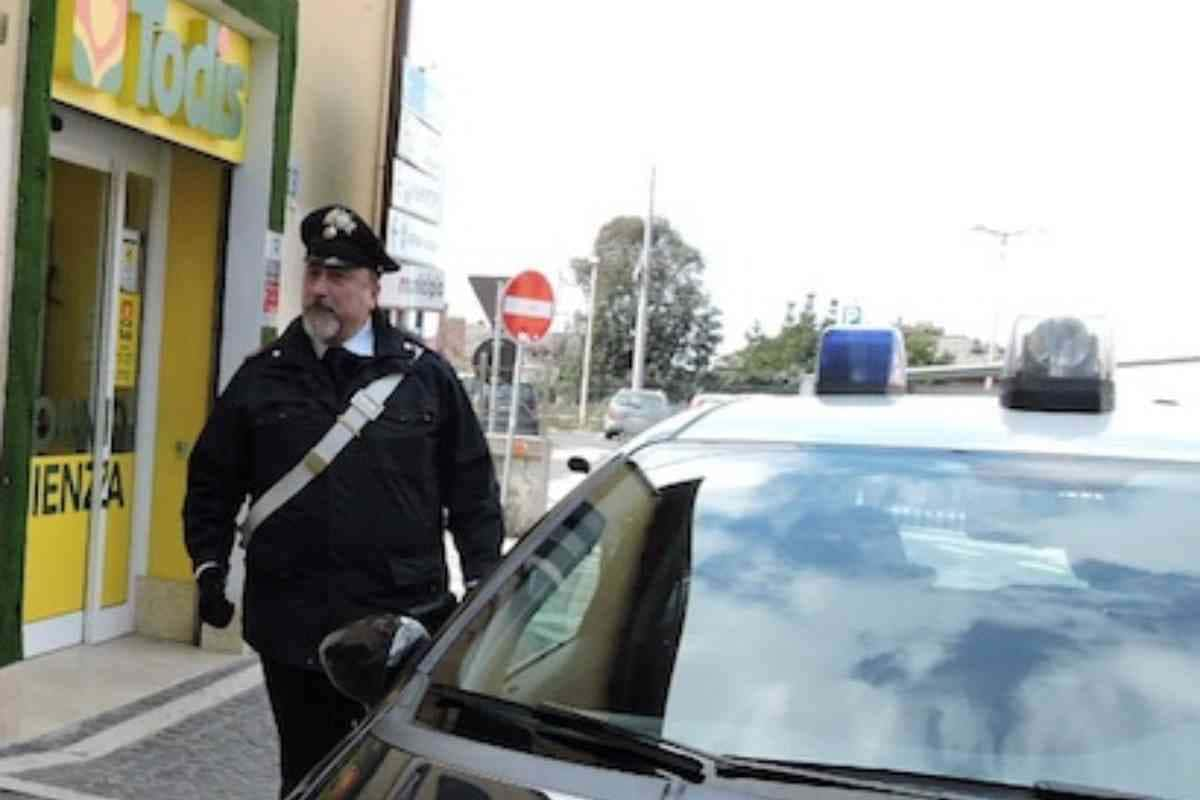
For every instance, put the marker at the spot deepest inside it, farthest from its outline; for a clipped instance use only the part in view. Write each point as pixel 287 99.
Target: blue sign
pixel 421 97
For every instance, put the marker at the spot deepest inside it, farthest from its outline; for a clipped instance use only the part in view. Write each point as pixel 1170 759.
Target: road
pixel 592 446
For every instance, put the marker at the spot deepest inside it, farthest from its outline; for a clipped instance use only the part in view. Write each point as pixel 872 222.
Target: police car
pixel 857 594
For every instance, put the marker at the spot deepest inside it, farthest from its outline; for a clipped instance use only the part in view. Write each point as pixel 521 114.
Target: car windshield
pixel 989 616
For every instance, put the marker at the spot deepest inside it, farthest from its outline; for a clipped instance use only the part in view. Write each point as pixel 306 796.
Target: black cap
pixel 340 239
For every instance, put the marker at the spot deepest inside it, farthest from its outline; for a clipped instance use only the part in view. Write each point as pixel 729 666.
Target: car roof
pixel 1138 429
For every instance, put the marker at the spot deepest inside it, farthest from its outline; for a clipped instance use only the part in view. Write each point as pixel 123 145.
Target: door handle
pixel 107 410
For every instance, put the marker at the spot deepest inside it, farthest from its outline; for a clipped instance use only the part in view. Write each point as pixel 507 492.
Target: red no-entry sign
pixel 527 306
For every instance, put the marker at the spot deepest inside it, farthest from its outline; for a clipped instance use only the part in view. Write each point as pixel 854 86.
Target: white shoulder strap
pixel 366 405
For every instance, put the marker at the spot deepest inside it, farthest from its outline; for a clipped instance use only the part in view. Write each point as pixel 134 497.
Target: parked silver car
pixel 632 411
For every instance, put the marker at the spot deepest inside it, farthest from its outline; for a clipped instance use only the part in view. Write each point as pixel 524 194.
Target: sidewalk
pixel 139 719
pixel 135 719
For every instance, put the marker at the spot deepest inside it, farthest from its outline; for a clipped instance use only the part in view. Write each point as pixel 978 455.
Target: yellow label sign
pixel 128 322
pixel 64 492
pixel 157 65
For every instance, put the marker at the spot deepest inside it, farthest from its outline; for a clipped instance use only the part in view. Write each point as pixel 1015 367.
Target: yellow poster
pixel 64 490
pixel 129 315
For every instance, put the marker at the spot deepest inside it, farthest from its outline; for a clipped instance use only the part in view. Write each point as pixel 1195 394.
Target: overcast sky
pixel 843 146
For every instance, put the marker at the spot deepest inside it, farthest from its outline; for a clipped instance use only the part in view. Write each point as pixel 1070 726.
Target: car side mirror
pixel 579 464
pixel 363 659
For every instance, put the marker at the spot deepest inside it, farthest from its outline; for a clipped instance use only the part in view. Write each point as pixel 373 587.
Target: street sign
pixel 487 289
pixel 421 96
pixel 414 287
pixel 410 239
pixel 415 192
pixel 419 144
pixel 527 305
pixel 481 360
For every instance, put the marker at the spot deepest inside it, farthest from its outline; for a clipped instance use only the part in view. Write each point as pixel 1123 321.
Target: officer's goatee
pixel 322 322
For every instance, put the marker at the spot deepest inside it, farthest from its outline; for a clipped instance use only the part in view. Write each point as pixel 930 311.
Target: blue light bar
pixel 854 359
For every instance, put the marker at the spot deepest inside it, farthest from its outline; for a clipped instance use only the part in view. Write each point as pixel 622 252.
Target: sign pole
pixel 513 402
pixel 587 351
pixel 639 335
pixel 497 325
pixel 526 309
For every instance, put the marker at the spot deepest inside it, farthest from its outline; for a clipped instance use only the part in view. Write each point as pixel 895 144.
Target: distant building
pixel 963 349
pixel 452 342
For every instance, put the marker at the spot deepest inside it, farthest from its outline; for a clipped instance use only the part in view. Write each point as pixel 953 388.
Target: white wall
pixel 339 120
pixel 249 214
pixel 12 87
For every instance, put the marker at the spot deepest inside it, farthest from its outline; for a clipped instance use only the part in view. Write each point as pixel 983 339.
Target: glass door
pixel 80 529
pixel 69 472
pixel 127 335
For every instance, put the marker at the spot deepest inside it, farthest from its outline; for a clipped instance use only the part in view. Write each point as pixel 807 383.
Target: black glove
pixel 215 608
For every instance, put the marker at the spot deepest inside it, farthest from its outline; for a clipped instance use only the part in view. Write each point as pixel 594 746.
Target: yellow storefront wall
pixel 185 369
pixel 170 71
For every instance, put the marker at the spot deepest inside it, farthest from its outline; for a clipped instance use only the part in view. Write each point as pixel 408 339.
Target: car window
pixel 644 400
pixel 556 621
pixel 599 543
pixel 626 399
pixel 999 617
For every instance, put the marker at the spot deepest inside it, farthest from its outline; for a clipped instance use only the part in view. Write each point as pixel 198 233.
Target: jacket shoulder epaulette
pixel 266 351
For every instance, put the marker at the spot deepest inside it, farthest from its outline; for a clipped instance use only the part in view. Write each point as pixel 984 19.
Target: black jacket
pixel 366 534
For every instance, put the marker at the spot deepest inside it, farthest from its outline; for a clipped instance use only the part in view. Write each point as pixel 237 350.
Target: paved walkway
pixel 210 739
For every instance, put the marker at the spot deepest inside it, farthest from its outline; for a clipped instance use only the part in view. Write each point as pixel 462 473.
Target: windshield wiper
pixel 617 746
pixel 737 768
pixel 1054 790
pixel 907 784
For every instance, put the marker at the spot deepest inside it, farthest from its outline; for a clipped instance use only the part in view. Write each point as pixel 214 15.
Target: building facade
pixel 147 145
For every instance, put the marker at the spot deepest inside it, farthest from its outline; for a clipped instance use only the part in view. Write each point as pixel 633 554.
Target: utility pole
pixel 1003 236
pixel 497 329
pixel 587 348
pixel 639 341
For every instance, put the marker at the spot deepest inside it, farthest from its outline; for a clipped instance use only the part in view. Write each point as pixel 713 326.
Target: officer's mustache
pixel 318 306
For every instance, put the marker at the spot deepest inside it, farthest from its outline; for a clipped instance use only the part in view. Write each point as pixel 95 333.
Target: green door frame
pixel 280 18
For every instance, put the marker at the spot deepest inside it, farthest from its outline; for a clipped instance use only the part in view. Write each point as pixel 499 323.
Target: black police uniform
pixel 365 535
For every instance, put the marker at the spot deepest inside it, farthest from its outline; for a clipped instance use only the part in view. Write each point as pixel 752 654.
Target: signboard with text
pixel 415 212
pixel 416 287
pixel 419 145
pixel 273 263
pixel 160 66
pixel 411 240
pixel 416 193
pixel 129 317
pixel 421 96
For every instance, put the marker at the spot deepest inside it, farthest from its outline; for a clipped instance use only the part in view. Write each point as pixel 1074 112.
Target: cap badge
pixel 338 220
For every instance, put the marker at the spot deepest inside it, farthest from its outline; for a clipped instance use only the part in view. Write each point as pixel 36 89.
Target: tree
pixel 793 351
pixel 684 327
pixel 921 344
pixel 780 358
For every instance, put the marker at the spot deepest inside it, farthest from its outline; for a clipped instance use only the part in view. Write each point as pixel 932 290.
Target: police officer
pixel 365 533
